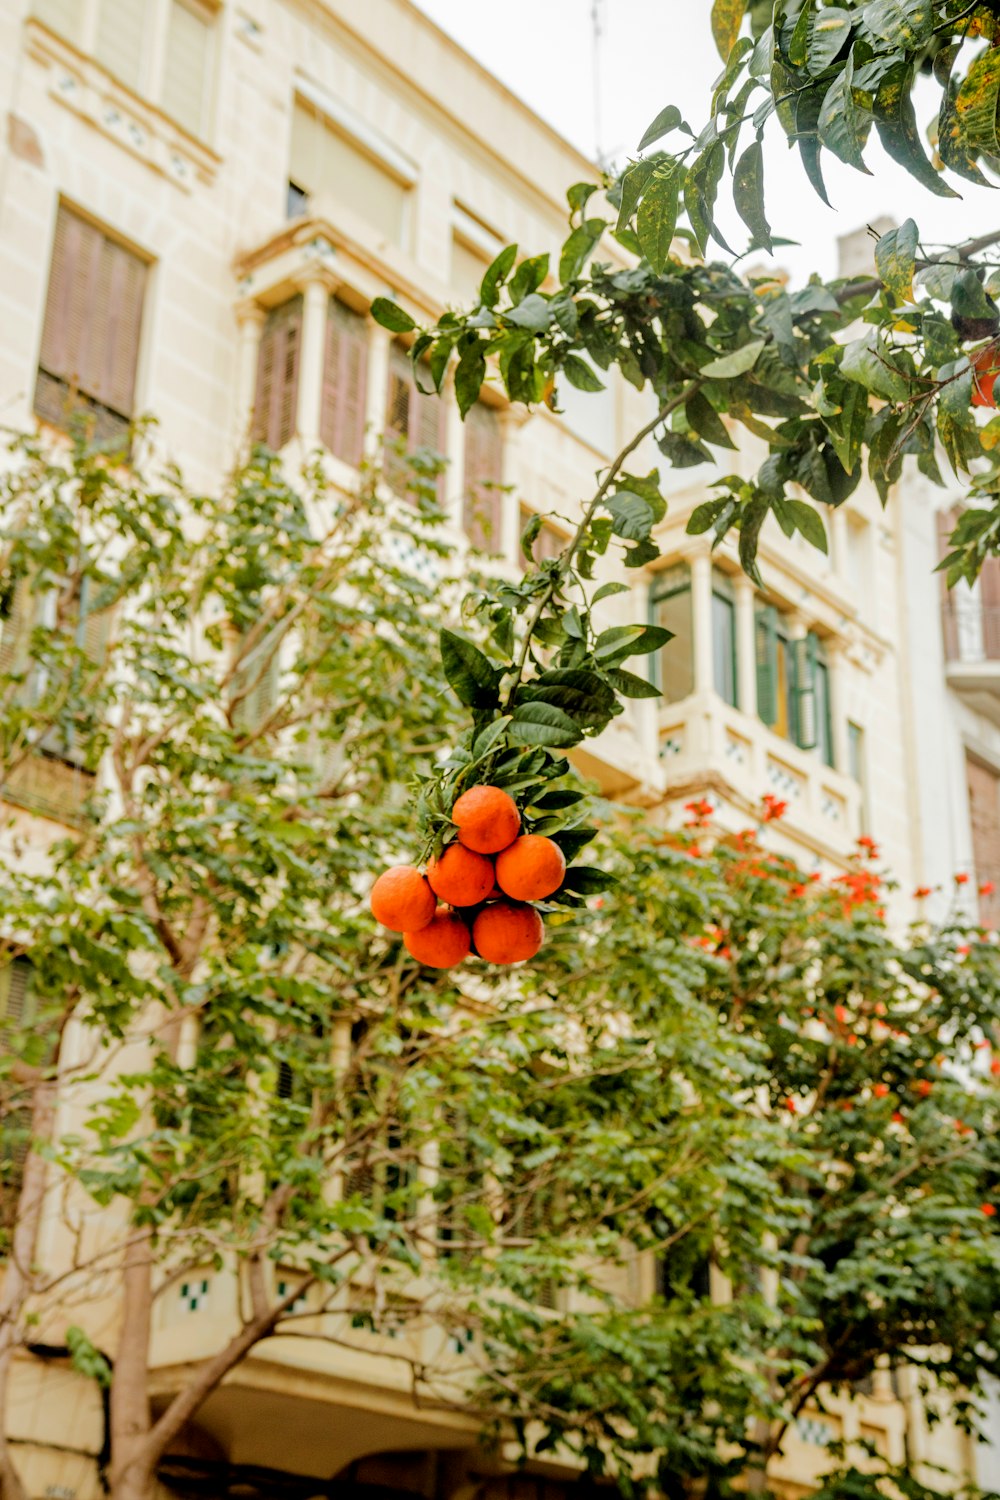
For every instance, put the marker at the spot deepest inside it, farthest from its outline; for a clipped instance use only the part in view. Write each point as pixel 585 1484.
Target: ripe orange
pixel 486 818
pixel 402 900
pixel 531 868
pixel 461 877
pixel 506 933
pixel 442 943
pixel 985 368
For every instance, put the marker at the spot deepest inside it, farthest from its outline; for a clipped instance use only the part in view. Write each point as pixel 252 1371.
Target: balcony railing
pixel 971 630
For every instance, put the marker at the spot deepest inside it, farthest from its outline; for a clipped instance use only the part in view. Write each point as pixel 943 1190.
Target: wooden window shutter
pixel 345 364
pixel 805 656
pixel 120 38
pixel 93 322
pixel 413 417
pixel 482 509
pixel 186 68
pixel 17 618
pixel 989 599
pixel 767 664
pixel 17 1006
pixel 278 376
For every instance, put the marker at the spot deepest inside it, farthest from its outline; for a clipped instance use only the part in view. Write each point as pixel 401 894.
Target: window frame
pixel 724 593
pixel 660 590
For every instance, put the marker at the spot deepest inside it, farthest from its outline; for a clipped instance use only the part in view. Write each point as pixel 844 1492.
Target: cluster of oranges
pixel 485 902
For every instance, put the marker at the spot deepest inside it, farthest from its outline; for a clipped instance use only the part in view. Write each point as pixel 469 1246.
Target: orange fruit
pixel 531 868
pixel 985 368
pixel 486 818
pixel 507 933
pixel 461 877
pixel 442 943
pixel 402 900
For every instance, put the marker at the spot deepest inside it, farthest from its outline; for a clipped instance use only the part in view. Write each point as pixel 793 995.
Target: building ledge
pixel 978 685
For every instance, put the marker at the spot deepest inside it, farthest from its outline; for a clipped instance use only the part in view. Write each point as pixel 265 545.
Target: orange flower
pixel 961 878
pixel 700 810
pixel 921 892
pixel 791 1106
pixel 880 1090
pixel 923 1087
pixel 774 808
pixel 995 1066
pixel 988 1209
pixel 987 888
pixel 868 845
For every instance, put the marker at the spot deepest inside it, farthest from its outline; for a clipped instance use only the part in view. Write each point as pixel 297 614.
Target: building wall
pixel 209 216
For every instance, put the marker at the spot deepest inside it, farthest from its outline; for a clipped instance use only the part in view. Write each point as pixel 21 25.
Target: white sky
pixel 658 52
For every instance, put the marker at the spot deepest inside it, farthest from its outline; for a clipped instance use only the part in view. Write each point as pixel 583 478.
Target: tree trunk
pixel 132 1472
pixel 17 1279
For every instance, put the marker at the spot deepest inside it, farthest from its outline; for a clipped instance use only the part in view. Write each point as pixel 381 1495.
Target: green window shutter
pixel 766 634
pixel 804 659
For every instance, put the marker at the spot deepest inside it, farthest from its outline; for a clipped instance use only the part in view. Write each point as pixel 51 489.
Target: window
pixel 547 544
pixel 724 676
pixel 793 683
pixel 278 376
pixel 345 367
pixel 413 421
pixel 90 338
pixel 670 606
pixel 468 267
pixel 327 161
pixel 187 71
pixel 482 508
pixel 125 42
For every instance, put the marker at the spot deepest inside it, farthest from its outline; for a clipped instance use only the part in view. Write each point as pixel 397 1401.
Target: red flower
pixel 791 1106
pixel 773 808
pixel 987 888
pixel 694 850
pixel 880 1090
pixel 921 892
pixel 700 810
pixel 797 890
pixel 995 1066
pixel 841 1013
pixel 961 878
pixel 923 1087
pixel 852 1040
pixel 897 1116
pixel 868 844
pixel 988 1209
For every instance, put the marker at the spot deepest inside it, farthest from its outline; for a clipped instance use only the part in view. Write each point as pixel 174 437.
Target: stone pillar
pixel 746 644
pixel 315 308
pixel 251 319
pixel 838 708
pixel 701 620
pixel 377 392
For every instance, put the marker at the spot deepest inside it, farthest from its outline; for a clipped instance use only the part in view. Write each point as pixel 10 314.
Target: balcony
pixel 970 631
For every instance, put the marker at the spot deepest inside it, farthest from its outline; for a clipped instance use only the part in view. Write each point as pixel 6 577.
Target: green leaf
pixel 496 275
pixel 906 24
pixel 556 800
pixel 529 536
pixel 831 29
pixel 572 840
pixel 578 247
pixel 580 374
pixel 807 109
pixel 490 737
pixel 703 516
pixel 748 194
pixel 631 686
pixel 976 105
pixel 533 313
pixel 607 589
pixel 392 316
pixel 751 521
pixel 579 195
pixel 622 641
pixel 727 18
pixel 737 363
pixel 700 188
pixel 657 218
pixel 528 277
pixel 470 373
pixel 631 516
pixel 471 675
pixel 632 183
pixel 587 881
pixel 581 694
pixel 839 125
pixel 543 724
pixel 668 119
pixel 865 361
pixel 895 254
pixel 808 522
pixel 896 124
pixel 706 422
